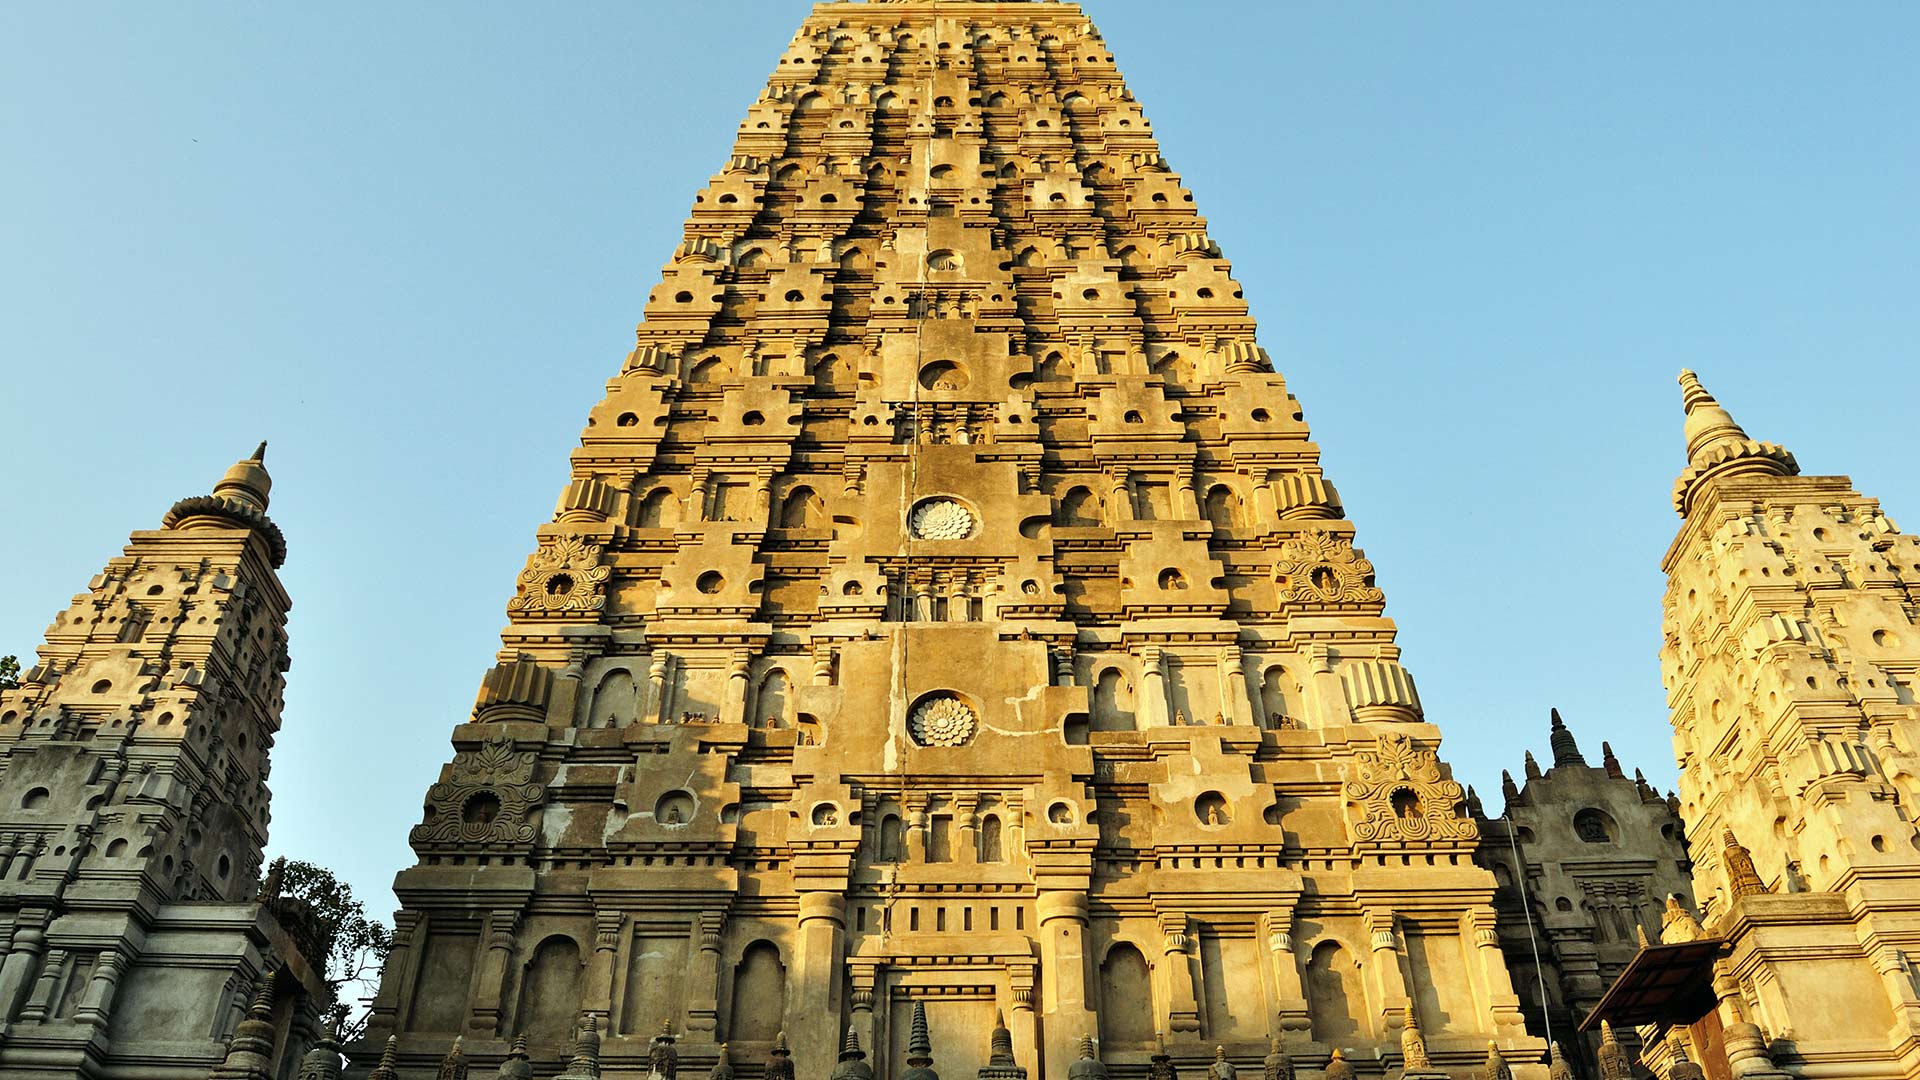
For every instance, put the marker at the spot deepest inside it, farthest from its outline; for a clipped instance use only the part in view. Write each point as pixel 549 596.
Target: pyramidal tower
pixel 134 809
pixel 1790 657
pixel 947 607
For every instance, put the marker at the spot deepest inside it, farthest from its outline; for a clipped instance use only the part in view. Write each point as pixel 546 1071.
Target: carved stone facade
pixel 947 607
pixel 1585 858
pixel 133 810
pixel 1790 659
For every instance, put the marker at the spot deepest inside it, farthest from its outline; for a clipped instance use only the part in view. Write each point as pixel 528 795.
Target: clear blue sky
pixel 408 243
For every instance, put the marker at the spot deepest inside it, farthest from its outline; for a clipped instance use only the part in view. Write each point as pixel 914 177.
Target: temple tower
pixel 134 808
pixel 1790 658
pixel 947 606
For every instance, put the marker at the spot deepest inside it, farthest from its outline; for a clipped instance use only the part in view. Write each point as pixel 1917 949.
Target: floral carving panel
pixel 1318 567
pixel 487 798
pixel 566 575
pixel 1400 796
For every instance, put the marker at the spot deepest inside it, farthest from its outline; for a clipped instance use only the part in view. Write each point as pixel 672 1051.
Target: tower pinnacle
pixel 1719 447
pixel 247 482
pixel 1565 750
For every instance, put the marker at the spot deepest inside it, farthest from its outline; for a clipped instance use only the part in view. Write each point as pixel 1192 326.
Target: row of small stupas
pixel 663 1061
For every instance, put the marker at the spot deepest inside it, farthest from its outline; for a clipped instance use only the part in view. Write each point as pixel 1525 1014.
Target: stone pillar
pixel 735 709
pixel 489 985
pixel 703 988
pixel 916 810
pixel 394 977
pixel 763 496
pixel 1503 1005
pixel 563 708
pixel 1119 499
pixel 819 952
pixel 1064 973
pixel 9 847
pixel 1062 659
pixel 1186 497
pixel 97 1005
pixel 1234 687
pixel 1328 704
pixel 864 977
pixel 40 1002
pixel 1183 1008
pixel 1289 993
pixel 699 495
pixel 1895 977
pixel 598 999
pixel 1021 1022
pixel 1153 687
pixel 657 684
pixel 1390 1001
pixel 966 815
pixel 823 667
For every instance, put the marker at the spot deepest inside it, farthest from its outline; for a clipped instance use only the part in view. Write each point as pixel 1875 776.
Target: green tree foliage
pixel 9 672
pixel 352 945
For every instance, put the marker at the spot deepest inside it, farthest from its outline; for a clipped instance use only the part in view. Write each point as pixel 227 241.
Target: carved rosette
pixel 1402 797
pixel 941 519
pixel 941 721
pixel 1319 567
pixel 487 798
pixel 566 575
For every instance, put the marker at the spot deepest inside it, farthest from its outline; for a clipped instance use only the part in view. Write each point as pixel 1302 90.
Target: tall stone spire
pixel 920 1047
pixel 1719 447
pixel 1000 1064
pixel 516 1066
pixel 250 1050
pixel 853 1060
pixel 1565 750
pixel 1609 762
pixel 322 1061
pixel 1088 1065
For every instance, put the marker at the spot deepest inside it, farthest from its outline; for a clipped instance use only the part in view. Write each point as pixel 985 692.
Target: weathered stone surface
pixel 946 607
pixel 134 809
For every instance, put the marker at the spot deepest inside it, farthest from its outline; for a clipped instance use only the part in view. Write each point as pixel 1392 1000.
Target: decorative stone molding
pixel 1379 690
pixel 516 690
pixel 1401 796
pixel 486 798
pixel 1319 567
pixel 565 575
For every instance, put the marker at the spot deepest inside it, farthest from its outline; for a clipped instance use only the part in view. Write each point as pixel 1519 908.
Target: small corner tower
pixel 1789 657
pixel 134 805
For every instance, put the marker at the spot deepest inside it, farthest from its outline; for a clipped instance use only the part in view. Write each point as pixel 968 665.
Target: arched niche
pixel 657 509
pixel 759 995
pixel 802 509
pixel 992 848
pixel 1336 997
pixel 550 992
pixel 773 703
pixel 1279 697
pixel 1223 507
pixel 892 843
pixel 1113 703
pixel 1080 508
pixel 1126 998
pixel 616 701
